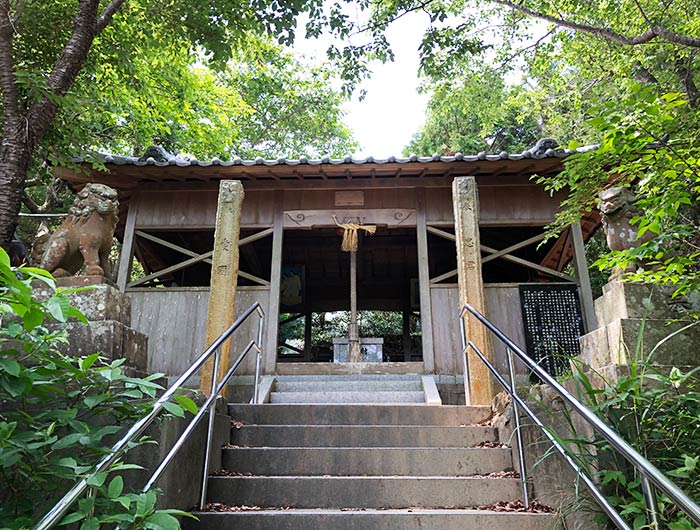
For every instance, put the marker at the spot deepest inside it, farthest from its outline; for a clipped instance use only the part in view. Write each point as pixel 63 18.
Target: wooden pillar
pixel 354 352
pixel 426 317
pixel 406 334
pixel 273 310
pixel 127 253
pixel 471 286
pixel 307 333
pixel 224 276
pixel 584 281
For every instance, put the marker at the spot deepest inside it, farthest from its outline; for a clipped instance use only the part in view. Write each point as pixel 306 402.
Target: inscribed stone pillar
pixel 471 285
pixel 224 275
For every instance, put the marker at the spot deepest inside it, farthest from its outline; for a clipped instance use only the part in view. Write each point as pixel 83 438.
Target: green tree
pixel 473 113
pixel 47 46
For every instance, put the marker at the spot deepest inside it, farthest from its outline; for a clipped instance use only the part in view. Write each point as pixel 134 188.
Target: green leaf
pixel 67 441
pixel 90 524
pixel 4 258
pixel 683 524
pixel 10 366
pixel 33 318
pixel 72 518
pixel 174 409
pixel 120 466
pixel 124 501
pixel 77 314
pixel 145 503
pixel 115 488
pixel 97 479
pixel 94 400
pixel 187 404
pixel 58 306
pixel 161 521
pixel 14 386
pixel 88 361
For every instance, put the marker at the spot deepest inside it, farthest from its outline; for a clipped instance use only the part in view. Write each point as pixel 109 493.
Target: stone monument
pixel 83 241
pixel 635 321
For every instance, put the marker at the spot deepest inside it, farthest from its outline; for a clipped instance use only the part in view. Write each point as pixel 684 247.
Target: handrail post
pixel 518 430
pixel 256 389
pixel 651 503
pixel 258 356
pixel 465 361
pixel 210 429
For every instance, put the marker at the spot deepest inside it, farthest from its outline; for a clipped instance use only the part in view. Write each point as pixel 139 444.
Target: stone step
pixel 378 414
pixel 370 461
pixel 347 397
pixel 362 385
pixel 361 435
pixel 362 492
pixel 349 377
pixel 405 519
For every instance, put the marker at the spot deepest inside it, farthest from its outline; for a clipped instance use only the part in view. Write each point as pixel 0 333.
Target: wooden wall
pixel 500 205
pixel 174 321
pixel 503 303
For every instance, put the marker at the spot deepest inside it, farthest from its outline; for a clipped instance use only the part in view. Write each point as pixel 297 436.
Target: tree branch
pixel 642 38
pixel 66 68
pixel 107 15
pixel 32 206
pixel 685 76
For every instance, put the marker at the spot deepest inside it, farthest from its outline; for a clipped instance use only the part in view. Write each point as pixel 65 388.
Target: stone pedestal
pixel 370 349
pixel 637 321
pixel 108 331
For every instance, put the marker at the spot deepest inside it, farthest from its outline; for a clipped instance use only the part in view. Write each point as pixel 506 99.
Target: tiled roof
pixel 159 157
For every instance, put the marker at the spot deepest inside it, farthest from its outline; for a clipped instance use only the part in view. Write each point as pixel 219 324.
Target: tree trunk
pixel 14 164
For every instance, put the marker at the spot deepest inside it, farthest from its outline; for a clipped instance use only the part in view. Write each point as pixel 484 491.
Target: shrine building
pixel 446 230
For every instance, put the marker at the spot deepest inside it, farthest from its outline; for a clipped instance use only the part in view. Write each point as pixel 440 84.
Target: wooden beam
pixel 438 279
pixel 584 281
pixel 255 237
pixel 253 278
pixel 168 244
pixel 224 277
pixel 126 255
pixel 270 346
pixel 441 233
pixel 471 288
pixel 424 284
pixel 530 265
pixel 172 268
pixel 517 246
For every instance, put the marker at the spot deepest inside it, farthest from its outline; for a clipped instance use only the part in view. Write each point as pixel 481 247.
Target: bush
pixel 59 413
pixel 658 413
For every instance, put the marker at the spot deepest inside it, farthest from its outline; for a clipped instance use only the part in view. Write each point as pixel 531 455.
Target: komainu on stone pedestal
pixel 617 208
pixel 85 237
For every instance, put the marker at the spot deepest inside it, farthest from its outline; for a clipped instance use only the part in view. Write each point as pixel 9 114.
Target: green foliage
pixel 473 113
pixel 202 78
pixel 648 142
pixel 59 414
pixel 658 413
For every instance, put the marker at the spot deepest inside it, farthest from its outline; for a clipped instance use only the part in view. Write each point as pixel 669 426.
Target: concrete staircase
pixel 353 389
pixel 363 467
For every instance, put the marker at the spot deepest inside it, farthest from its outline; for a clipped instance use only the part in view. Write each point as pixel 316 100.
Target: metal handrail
pixel 56 513
pixel 650 475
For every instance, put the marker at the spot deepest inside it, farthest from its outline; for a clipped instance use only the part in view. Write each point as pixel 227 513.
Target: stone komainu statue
pixel 85 237
pixel 617 207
